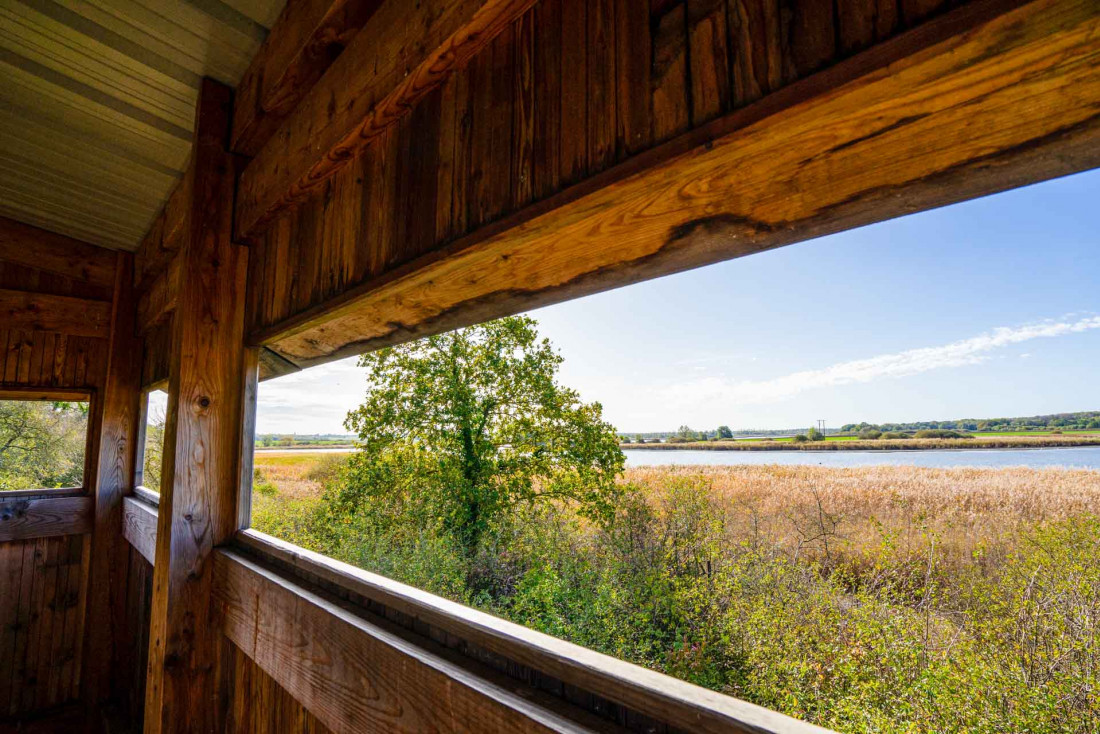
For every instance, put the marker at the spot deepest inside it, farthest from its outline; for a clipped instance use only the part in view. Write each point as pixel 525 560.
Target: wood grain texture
pixel 159 298
pixel 163 240
pixel 117 450
pixel 669 702
pixel 25 518
pixel 256 704
pixel 31 311
pixel 399 56
pixel 139 527
pixel 28 246
pixel 198 497
pixel 303 43
pixel 985 98
pixel 356 675
pixel 43 586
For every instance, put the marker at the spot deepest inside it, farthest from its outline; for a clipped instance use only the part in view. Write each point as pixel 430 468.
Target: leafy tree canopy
pixel 42 444
pixel 464 426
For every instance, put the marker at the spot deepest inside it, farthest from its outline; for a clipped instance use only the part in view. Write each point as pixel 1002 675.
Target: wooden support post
pixel 114 477
pixel 198 507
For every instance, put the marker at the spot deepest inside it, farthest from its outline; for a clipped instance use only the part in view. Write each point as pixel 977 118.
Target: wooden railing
pixel 362 652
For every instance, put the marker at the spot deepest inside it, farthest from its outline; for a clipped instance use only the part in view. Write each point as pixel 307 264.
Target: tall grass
pixel 877 599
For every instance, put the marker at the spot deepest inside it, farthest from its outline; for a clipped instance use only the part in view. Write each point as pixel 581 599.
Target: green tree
pixel 724 432
pixel 815 435
pixel 42 444
pixel 464 427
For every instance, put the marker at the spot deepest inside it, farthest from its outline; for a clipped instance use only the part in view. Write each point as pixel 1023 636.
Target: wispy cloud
pixel 972 351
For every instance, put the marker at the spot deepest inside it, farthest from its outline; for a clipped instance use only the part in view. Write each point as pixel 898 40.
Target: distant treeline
pixel 282 440
pixel 1085 420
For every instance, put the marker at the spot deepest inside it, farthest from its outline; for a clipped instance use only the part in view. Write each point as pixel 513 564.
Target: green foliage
pixel 801 438
pixel 814 435
pixel 870 434
pixel 461 429
pixel 154 455
pixel 940 433
pixel 42 444
pixel 724 433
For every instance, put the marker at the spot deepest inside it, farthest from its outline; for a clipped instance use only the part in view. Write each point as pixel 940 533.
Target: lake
pixel 1083 457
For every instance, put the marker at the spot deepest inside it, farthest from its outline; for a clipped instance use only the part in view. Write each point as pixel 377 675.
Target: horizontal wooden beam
pixel 665 699
pixel 993 95
pixel 61 314
pixel 23 518
pixel 159 299
pixel 36 248
pixel 44 393
pixel 402 53
pixel 139 527
pixel 303 43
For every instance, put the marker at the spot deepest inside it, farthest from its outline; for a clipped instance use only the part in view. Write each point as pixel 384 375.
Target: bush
pixel 815 435
pixel 801 438
pixel 870 434
pixel 940 433
pixel 895 435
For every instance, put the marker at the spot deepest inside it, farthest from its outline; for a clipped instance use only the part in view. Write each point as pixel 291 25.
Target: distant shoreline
pixel 897 444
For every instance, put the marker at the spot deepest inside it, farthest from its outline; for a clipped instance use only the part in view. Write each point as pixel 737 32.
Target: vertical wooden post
pixel 118 410
pixel 198 507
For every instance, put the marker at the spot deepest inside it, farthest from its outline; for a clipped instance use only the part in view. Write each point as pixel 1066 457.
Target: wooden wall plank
pixel 23 518
pixel 198 497
pixel 795 165
pixel 35 248
pixel 31 311
pixel 307 37
pixel 399 56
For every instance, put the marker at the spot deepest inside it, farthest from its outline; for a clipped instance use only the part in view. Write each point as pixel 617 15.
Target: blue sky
pixel 983 309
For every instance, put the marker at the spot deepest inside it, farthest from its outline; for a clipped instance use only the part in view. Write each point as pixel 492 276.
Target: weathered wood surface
pixel 47 252
pixel 256 704
pixel 400 55
pixel 987 97
pixel 139 527
pixel 26 518
pixel 47 359
pixel 644 693
pixel 128 685
pixel 354 675
pixel 43 588
pixel 162 242
pixel 31 311
pixel 116 440
pixel 159 298
pixel 303 43
pixel 199 493
pixel 156 350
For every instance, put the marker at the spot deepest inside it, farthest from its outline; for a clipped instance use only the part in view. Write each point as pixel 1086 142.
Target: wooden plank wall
pixel 573 88
pixel 256 704
pixel 129 688
pixel 43 591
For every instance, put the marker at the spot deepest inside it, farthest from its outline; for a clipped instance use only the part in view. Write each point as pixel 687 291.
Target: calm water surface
pixel 1082 457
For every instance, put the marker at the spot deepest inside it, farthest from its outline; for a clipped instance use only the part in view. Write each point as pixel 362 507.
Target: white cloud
pixel 966 352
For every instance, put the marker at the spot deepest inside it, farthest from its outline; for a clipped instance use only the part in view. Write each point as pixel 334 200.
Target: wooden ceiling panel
pixel 97 100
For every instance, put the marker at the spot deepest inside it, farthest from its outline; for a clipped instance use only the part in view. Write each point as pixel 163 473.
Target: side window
pixel 154 416
pixel 43 440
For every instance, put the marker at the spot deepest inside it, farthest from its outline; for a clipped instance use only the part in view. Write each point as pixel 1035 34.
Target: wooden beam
pixel 36 248
pixel 117 450
pixel 139 527
pixel 990 96
pixel 24 518
pixel 681 705
pixel 198 507
pixel 401 54
pixel 61 314
pixel 303 43
pixel 155 303
pixel 44 393
pixel 356 675
pixel 162 241
pixel 272 365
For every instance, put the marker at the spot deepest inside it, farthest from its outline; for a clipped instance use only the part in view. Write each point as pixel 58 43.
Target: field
pixel 889 599
pixel 850 443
